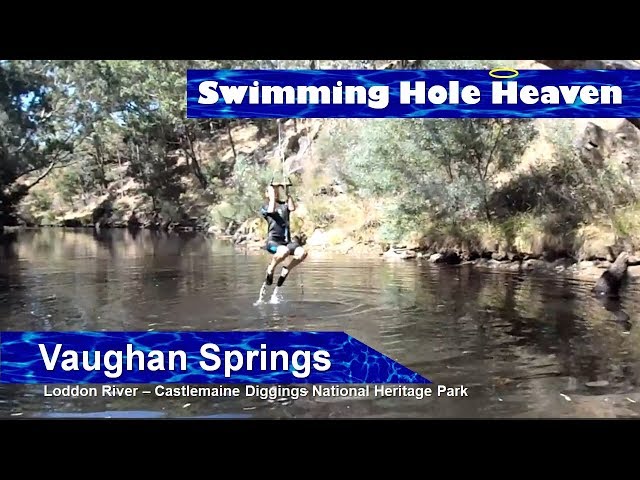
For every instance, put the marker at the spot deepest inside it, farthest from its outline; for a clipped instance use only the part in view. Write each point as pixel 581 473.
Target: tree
pixel 474 152
pixel 40 125
pixel 445 169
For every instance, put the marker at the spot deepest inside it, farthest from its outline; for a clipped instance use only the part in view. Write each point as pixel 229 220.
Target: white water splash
pixel 275 296
pixel 263 290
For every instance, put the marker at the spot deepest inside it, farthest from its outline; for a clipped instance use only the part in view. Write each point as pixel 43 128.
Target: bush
pixel 244 197
pixel 41 200
pixel 444 169
pixel 69 184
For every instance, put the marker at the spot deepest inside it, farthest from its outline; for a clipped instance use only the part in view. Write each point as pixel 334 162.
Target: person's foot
pixel 269 278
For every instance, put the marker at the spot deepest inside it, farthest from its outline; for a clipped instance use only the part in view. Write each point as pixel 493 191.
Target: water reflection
pixel 614 306
pixel 523 345
pixel 8 246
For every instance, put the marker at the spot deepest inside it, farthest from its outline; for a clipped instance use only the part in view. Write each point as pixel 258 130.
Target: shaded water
pixel 525 346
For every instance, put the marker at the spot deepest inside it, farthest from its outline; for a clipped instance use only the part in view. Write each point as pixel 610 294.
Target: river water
pixel 523 345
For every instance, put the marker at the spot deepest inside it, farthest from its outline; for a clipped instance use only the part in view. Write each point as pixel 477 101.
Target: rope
pixel 280 147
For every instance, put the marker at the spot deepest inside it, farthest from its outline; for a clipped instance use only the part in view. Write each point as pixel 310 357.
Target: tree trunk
pixel 233 146
pixel 100 165
pixel 195 166
pixel 121 172
pixel 486 208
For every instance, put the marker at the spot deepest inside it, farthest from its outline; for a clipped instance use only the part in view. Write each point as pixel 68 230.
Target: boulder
pixel 633 272
pixel 449 257
pixel 394 254
pixel 318 238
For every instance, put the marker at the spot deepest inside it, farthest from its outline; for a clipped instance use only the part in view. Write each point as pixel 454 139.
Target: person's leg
pixel 280 252
pixel 297 254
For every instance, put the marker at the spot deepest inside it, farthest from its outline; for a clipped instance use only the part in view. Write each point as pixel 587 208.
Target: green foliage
pixel 91 124
pixel 569 184
pixel 40 123
pixel 69 184
pixel 447 169
pixel 246 194
pixel 41 201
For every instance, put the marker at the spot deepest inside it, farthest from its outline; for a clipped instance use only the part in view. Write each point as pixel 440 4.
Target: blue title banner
pixel 195 358
pixel 497 93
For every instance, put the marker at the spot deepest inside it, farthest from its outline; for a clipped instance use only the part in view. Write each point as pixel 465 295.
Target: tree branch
pixel 41 177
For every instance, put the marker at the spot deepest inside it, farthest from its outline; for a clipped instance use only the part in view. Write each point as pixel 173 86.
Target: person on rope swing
pixel 279 242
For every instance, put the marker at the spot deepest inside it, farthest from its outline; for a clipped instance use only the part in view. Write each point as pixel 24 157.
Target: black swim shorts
pixel 272 246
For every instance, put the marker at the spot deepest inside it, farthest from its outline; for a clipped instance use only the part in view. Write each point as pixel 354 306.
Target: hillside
pixel 555 188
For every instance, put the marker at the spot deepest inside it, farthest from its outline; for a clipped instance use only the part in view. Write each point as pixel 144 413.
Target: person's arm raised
pixel 272 199
pixel 291 204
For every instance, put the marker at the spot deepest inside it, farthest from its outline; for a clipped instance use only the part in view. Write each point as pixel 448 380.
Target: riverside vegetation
pixel 107 144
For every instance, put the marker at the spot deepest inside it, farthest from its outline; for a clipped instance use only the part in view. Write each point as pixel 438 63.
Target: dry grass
pixel 626 223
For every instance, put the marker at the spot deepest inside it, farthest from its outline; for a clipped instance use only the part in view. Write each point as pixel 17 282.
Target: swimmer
pixel 279 242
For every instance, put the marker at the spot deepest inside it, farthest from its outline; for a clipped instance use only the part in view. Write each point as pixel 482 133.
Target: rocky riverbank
pixel 317 245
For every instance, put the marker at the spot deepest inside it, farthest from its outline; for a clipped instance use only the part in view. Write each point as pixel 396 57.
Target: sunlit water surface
pixel 524 346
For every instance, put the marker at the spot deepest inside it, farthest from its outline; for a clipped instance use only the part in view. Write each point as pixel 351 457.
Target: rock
pixel 499 256
pixel 25 220
pixel 334 237
pixel 317 239
pixel 468 256
pixel 633 272
pixel 394 254
pixel 585 264
pixel 514 266
pixel 597 384
pixel 503 266
pixel 436 258
pixel 413 245
pixel 562 264
pixel 533 265
pixel 384 247
pixel 613 278
pixel 514 257
pixel 449 257
pixel 620 146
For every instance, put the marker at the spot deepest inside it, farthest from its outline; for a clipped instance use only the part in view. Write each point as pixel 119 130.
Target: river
pixel 523 345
